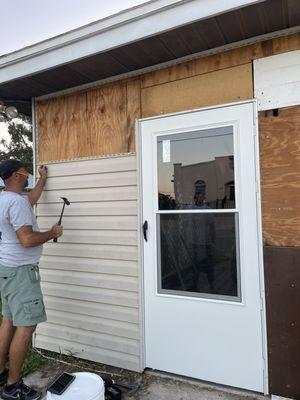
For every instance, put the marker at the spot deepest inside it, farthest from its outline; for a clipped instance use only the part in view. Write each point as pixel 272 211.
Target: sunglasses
pixel 22 171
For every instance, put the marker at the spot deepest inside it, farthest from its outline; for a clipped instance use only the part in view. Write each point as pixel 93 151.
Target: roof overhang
pixel 148 35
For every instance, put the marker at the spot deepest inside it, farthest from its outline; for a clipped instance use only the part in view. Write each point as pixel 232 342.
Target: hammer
pixel 66 202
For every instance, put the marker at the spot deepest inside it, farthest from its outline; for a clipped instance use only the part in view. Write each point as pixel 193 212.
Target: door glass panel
pixel 196 170
pixel 198 255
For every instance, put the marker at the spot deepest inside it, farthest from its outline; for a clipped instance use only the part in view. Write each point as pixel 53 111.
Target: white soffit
pixel 128 26
pixel 277 80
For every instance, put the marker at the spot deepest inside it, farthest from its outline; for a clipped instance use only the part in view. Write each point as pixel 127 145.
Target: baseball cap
pixel 8 167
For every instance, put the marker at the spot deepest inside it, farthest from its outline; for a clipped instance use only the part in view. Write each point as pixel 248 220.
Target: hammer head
pixel 66 201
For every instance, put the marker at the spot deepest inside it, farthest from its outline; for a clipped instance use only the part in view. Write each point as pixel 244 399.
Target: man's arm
pixel 36 192
pixel 29 238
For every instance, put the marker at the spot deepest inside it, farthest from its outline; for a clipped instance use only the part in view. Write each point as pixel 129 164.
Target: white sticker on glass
pixel 166 151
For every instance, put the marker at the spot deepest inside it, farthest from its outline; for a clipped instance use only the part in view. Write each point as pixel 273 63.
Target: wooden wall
pixel 101 121
pixel 280 176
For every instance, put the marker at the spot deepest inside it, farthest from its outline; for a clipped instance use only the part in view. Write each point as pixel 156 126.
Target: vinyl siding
pixel 90 277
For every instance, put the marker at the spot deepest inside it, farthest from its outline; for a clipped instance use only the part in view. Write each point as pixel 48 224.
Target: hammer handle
pixel 59 221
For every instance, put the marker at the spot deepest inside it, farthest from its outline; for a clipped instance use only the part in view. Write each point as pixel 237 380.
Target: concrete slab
pixel 152 386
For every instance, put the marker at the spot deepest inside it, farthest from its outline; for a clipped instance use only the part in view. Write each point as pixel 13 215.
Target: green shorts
pixel 21 295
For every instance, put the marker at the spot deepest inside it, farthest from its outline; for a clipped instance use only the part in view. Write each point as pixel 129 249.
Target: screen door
pixel 200 234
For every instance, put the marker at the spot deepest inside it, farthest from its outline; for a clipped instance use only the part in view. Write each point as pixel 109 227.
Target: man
pixel 20 250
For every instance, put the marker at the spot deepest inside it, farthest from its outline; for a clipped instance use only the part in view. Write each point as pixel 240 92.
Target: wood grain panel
pixel 223 60
pixel 62 131
pixel 280 176
pixel 220 87
pixel 97 122
pixel 107 119
pixel 133 111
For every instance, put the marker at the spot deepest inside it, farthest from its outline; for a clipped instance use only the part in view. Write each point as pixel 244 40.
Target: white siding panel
pixel 88 352
pixel 101 325
pixel 99 237
pixel 93 194
pixel 101 310
pixel 90 277
pixel 93 166
pixel 93 338
pixel 98 295
pixel 112 252
pixel 126 178
pixel 120 222
pixel 90 208
pixel 277 80
pixel 97 266
pixel 105 281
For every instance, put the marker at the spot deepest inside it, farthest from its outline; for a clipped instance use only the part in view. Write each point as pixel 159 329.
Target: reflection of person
pixel 22 300
pixel 200 200
pixel 203 240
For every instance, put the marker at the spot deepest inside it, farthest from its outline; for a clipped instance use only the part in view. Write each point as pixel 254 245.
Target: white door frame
pixel 259 229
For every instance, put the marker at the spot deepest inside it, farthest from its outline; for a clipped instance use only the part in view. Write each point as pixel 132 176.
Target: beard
pixel 26 183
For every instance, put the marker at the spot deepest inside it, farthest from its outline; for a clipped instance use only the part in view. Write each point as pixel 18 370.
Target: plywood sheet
pixel 97 122
pixel 224 60
pixel 219 87
pixel 133 111
pixel 280 176
pixel 107 119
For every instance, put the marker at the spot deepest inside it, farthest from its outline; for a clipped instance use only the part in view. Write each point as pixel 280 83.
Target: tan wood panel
pixel 107 119
pixel 133 110
pixel 62 131
pixel 50 123
pixel 223 60
pixel 220 87
pixel 280 176
pixel 97 122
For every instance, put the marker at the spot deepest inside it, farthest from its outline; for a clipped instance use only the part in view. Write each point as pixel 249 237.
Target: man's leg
pixel 18 351
pixel 7 331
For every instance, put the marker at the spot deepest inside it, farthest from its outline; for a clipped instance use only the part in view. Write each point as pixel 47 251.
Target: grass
pixel 33 362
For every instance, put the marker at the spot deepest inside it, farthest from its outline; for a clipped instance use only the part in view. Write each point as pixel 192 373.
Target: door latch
pixel 145 228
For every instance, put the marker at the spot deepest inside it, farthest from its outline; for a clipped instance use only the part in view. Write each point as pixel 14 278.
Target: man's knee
pixel 7 322
pixel 26 330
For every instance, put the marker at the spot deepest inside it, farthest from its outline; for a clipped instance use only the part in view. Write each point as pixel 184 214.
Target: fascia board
pixel 123 28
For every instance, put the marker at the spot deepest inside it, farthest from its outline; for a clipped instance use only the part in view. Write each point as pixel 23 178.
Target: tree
pixel 19 146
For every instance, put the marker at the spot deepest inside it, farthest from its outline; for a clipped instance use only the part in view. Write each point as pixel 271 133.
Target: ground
pixel 151 385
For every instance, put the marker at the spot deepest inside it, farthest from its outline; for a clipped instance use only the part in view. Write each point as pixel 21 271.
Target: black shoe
pixel 19 391
pixel 3 377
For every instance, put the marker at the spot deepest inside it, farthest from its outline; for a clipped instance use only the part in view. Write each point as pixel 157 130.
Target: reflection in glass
pixel 198 254
pixel 196 170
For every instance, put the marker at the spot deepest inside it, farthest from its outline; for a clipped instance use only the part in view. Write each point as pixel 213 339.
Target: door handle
pixel 145 228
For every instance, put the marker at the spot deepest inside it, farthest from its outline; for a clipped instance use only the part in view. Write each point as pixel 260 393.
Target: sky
pixel 23 23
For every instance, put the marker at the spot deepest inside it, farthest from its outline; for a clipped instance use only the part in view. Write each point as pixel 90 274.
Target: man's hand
pixel 36 192
pixel 29 238
pixel 57 231
pixel 43 172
